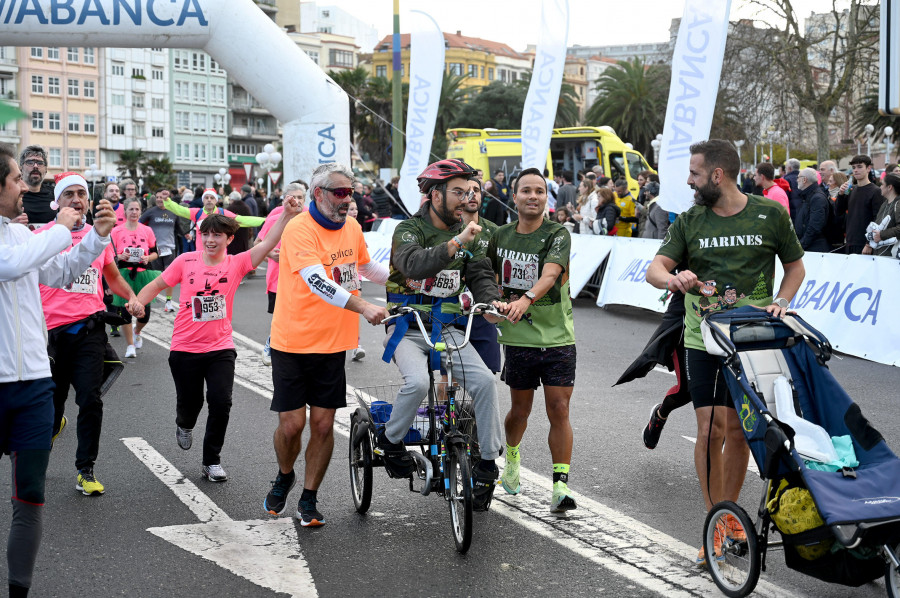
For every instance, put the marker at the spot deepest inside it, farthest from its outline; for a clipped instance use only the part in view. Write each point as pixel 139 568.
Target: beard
pixel 708 195
pixel 34 178
pixel 447 216
pixel 331 210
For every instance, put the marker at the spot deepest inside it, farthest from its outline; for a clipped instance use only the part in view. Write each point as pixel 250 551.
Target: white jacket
pixel 27 259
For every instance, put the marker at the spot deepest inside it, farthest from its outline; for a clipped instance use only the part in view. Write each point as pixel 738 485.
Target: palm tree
pixel 354 84
pixel 130 163
pixel 452 100
pixel 867 114
pixel 160 174
pixel 632 101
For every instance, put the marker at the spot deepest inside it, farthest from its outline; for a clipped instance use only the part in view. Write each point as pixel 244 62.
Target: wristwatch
pixel 530 296
pixel 781 302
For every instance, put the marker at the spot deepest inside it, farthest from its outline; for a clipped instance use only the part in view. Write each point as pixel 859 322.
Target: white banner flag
pixel 546 79
pixel 696 66
pixel 624 281
pixel 586 255
pixel 426 72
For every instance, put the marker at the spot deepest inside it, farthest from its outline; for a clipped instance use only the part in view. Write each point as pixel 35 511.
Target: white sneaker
pixel 266 358
pixel 130 352
pixel 138 341
pixel 358 354
pixel 214 473
pixel 169 306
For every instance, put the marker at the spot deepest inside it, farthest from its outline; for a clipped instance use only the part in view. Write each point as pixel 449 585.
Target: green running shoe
pixel 562 501
pixel 510 478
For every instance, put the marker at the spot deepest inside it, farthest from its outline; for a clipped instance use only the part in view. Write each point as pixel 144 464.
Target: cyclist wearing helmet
pixel 433 259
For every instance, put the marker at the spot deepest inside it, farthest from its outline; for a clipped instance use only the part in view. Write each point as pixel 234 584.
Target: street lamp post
pixel 888 133
pixel 91 174
pixel 655 145
pixel 870 128
pixel 739 144
pixel 268 159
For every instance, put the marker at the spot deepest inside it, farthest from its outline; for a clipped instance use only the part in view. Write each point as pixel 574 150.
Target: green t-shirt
pixel 519 259
pixel 450 281
pixel 734 257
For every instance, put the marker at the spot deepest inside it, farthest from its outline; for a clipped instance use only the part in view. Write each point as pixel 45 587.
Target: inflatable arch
pixel 312 108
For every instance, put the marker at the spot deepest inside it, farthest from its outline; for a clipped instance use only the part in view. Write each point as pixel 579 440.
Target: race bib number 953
pixel 208 308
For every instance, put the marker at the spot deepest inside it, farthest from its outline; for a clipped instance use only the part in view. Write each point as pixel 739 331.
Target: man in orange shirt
pixel 315 322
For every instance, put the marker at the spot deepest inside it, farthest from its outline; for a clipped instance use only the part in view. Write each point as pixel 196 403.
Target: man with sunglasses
pixel 433 259
pixel 315 322
pixel 36 201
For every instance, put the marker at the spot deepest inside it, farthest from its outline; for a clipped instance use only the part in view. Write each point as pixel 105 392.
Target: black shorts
pixel 271 302
pixel 705 380
pixel 526 368
pixel 301 379
pixel 163 262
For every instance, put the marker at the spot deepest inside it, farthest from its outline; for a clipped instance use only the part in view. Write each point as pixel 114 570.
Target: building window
pixel 217 123
pixel 118 129
pixel 157 74
pixel 482 72
pixel 72 54
pixel 198 62
pixel 456 68
pixel 182 120
pixel 53 121
pixel 89 89
pixel 217 94
pixel 74 158
pixel 158 132
pixel 218 153
pixel 74 123
pixel 90 124
pixel 118 70
pixel 52 53
pixel 178 154
pixel 314 56
pixel 199 122
pixel 138 130
pixel 473 70
pixel 54 157
pixel 137 73
pixel 381 70
pixel 89 56
pixel 90 157
pixel 490 74
pixel 37 52
pixel 118 99
pixel 37 84
pixel 214 66
pixel 53 86
pixel 343 58
pixel 137 100
pixel 72 87
pixel 157 103
pixel 199 93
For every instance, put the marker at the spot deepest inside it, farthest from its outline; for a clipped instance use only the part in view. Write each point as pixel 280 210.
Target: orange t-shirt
pixel 303 322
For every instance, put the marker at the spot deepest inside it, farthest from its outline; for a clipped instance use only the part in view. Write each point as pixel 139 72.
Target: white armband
pixel 375 272
pixel 319 283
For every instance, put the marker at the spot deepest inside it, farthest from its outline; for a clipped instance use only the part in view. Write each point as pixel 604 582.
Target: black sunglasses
pixel 340 192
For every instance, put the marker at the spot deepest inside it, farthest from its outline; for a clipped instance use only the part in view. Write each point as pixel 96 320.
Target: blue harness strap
pixel 401 325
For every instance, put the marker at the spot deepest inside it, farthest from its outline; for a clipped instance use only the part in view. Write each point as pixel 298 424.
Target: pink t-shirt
pixel 271 265
pixel 82 298
pixel 202 215
pixel 139 242
pixel 120 213
pixel 776 193
pixel 206 298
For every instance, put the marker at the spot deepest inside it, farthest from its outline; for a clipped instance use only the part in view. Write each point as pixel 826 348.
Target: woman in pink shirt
pixel 135 246
pixel 298 192
pixel 202 348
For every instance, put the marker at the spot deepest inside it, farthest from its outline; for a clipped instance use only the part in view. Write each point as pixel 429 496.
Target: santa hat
pixel 209 191
pixel 64 180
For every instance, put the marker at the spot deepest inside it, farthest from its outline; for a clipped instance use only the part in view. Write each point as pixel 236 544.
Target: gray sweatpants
pixel 468 369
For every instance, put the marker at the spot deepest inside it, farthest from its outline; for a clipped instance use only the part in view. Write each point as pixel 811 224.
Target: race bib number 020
pixel 346 276
pixel 445 284
pixel 518 274
pixel 85 284
pixel 135 254
pixel 208 308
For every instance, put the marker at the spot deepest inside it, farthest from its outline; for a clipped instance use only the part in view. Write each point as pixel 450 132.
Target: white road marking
pixel 265 552
pixel 643 555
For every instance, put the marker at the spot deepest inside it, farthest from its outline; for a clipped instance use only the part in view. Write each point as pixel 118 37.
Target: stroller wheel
pixel 730 542
pixel 892 575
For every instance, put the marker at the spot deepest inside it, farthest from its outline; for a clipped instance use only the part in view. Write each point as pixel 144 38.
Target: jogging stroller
pixel 833 485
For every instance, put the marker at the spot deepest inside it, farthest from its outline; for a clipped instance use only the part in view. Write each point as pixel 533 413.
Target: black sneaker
pixel 114 331
pixel 397 459
pixel 308 515
pixel 276 499
pixel 653 430
pixel 485 478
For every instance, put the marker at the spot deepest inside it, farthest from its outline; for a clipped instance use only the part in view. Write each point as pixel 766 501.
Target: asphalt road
pixel 160 530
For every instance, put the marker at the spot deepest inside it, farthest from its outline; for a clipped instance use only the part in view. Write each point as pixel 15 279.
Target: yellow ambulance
pixel 571 148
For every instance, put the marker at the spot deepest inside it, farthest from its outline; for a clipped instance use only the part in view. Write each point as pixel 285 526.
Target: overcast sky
pixel 516 22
